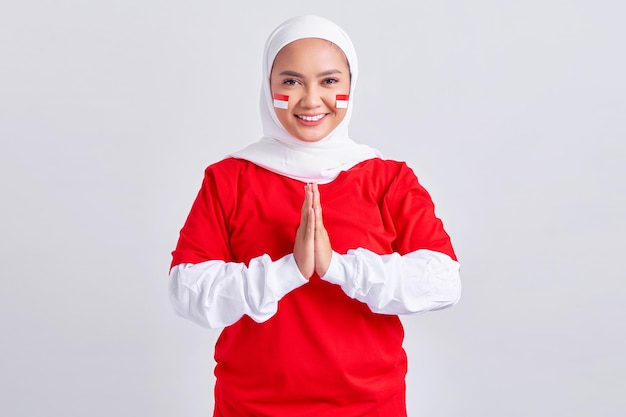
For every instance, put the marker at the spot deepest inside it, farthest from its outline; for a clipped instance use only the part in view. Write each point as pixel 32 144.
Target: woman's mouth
pixel 310 120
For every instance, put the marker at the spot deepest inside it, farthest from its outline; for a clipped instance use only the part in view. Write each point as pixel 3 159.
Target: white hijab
pixel 280 152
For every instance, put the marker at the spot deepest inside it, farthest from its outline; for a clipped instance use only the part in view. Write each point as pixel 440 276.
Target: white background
pixel 511 114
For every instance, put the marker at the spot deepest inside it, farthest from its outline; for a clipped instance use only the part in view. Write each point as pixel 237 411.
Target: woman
pixel 309 299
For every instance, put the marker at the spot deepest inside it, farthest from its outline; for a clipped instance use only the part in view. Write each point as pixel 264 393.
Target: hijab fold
pixel 280 152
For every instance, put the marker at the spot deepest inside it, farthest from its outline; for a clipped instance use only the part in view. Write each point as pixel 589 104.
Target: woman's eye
pixel 331 81
pixel 290 82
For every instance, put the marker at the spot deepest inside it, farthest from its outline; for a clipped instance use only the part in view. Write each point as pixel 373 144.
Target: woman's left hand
pixel 323 251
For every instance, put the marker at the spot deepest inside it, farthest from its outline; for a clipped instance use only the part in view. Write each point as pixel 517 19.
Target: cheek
pixel 283 116
pixel 331 102
pixel 275 88
pixel 340 114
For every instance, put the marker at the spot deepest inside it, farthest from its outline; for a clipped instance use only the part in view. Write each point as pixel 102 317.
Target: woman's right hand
pixel 312 250
pixel 304 247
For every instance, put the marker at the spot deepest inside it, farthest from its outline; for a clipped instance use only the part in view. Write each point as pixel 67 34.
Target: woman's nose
pixel 312 97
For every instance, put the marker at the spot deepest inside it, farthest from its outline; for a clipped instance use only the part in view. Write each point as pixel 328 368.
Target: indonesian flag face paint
pixel 341 101
pixel 281 101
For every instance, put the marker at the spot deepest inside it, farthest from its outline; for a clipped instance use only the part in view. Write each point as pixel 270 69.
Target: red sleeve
pixel 411 210
pixel 205 236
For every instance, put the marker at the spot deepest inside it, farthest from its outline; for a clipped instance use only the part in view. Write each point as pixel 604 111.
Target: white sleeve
pixel 216 293
pixel 417 282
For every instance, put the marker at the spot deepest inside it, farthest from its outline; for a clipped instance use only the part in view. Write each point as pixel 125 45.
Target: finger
pixel 317 207
pixel 323 250
pixel 319 220
pixel 310 226
pixel 306 205
pixel 306 228
pixel 308 195
pixel 315 194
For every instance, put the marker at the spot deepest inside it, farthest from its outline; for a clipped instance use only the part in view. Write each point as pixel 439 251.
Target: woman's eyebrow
pixel 321 74
pixel 329 72
pixel 292 74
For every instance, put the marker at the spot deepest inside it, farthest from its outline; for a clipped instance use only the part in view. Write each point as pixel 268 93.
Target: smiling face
pixel 312 72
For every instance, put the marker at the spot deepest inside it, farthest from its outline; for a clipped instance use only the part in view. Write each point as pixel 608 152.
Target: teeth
pixel 311 118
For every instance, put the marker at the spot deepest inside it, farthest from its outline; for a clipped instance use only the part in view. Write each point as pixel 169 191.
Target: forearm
pixel 417 282
pixel 216 293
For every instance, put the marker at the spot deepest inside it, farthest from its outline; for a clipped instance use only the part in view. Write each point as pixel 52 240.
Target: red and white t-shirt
pixel 327 346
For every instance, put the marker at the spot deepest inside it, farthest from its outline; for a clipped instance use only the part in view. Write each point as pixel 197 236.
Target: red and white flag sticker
pixel 341 101
pixel 281 101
